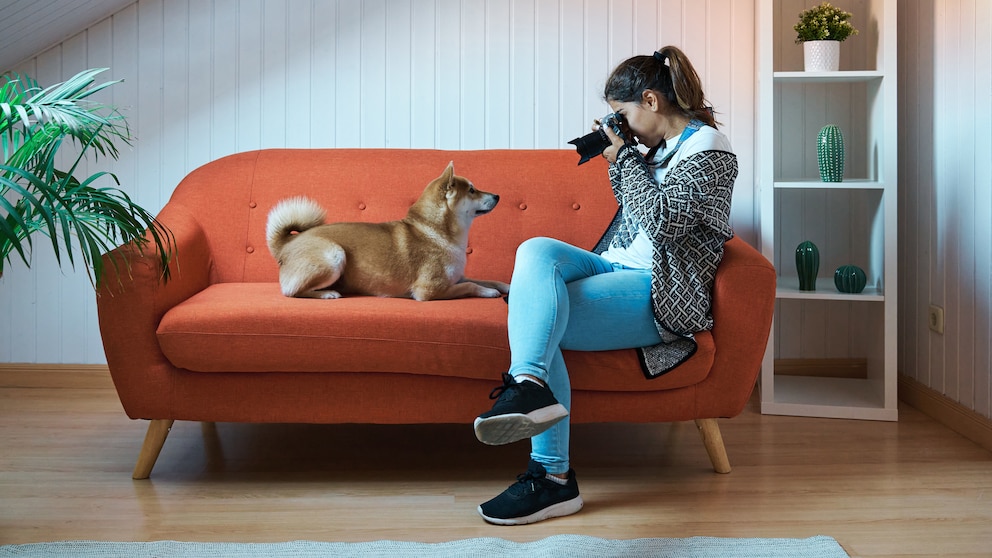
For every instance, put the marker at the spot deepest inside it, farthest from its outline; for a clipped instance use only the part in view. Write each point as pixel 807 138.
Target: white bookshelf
pixel 851 222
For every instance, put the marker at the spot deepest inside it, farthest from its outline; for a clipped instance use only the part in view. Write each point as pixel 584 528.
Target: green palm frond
pixel 36 196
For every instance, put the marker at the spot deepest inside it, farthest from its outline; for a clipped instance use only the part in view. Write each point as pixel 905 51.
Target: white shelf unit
pixel 851 222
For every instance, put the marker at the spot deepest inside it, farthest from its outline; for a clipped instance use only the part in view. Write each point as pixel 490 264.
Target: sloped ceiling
pixel 28 27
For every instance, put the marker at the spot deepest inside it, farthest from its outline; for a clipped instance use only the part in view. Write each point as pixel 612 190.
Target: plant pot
pixel 807 265
pixel 821 56
pixel 830 153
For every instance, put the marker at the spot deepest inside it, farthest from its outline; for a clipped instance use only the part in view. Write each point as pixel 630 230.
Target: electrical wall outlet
pixel 935 319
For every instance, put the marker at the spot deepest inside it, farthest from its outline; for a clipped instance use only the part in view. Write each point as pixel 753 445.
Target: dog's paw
pixel 328 294
pixel 486 292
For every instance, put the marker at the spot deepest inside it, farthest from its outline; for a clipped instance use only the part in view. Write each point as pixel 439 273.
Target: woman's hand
pixel 616 142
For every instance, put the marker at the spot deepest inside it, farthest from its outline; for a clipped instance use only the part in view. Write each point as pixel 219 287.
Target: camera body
pixel 594 143
pixel 616 123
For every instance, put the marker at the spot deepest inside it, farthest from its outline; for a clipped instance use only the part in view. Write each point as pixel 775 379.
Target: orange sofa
pixel 219 343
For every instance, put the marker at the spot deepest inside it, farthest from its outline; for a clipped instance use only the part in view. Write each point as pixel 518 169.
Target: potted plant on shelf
pixel 821 30
pixel 45 134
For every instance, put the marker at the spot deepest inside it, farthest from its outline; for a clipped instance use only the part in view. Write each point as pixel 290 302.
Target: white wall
pixel 204 79
pixel 945 211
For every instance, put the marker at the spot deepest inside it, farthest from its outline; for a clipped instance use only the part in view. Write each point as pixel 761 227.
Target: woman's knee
pixel 539 248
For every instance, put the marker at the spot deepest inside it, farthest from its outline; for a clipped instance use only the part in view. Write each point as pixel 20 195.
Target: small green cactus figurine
pixel 807 265
pixel 850 279
pixel 830 153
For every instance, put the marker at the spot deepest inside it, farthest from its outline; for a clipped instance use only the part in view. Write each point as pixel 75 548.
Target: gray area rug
pixel 563 546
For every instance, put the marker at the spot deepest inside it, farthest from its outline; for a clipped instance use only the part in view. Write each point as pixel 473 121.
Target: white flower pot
pixel 821 56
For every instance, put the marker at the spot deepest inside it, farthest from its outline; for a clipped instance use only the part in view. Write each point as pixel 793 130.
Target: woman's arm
pixel 696 191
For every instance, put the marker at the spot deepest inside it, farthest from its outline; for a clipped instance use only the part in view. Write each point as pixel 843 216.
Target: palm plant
pixel 38 195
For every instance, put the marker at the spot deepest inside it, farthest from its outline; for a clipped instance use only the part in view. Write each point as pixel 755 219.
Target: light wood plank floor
pixel 911 488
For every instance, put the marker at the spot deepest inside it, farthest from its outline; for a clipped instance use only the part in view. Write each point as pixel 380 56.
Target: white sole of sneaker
pixel 505 429
pixel 560 509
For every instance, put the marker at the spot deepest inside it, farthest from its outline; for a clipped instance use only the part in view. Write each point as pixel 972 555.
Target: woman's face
pixel 645 119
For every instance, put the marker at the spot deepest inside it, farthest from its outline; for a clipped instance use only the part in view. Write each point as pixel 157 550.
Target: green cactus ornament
pixel 807 265
pixel 850 279
pixel 830 153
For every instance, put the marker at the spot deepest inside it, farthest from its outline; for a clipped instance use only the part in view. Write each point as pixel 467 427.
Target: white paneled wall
pixel 945 237
pixel 207 78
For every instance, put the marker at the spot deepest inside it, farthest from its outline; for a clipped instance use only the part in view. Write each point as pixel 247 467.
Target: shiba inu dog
pixel 421 256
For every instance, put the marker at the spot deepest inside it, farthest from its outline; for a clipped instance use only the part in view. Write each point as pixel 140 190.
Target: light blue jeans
pixel 564 297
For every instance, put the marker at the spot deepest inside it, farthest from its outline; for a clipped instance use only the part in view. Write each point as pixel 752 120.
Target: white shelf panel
pixel 810 184
pixel 811 396
pixel 788 287
pixel 827 77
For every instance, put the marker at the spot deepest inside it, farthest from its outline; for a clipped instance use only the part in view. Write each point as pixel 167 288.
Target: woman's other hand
pixel 616 142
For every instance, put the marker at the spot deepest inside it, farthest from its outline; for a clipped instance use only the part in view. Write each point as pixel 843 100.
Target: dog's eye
pixel 471 190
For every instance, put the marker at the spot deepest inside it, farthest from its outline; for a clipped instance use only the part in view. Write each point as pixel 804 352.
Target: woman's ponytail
pixel 688 88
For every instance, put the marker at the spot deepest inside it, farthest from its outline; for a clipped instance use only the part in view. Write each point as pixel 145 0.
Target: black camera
pixel 594 143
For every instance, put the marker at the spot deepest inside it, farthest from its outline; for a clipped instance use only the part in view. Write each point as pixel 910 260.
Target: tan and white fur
pixel 421 256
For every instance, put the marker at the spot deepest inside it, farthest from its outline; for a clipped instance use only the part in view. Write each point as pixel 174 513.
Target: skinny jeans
pixel 564 297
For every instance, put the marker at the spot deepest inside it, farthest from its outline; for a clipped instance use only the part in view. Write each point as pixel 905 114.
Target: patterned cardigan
pixel 688 217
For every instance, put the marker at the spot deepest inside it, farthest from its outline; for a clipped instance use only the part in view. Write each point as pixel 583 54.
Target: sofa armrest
pixel 130 311
pixel 743 306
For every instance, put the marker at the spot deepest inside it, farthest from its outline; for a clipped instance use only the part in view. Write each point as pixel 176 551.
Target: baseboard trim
pixel 946 411
pixel 76 376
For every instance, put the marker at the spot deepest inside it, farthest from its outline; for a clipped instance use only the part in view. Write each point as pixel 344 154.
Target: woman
pixel 650 288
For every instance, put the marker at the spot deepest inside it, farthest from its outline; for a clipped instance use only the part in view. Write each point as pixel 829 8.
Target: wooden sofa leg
pixel 710 431
pixel 158 430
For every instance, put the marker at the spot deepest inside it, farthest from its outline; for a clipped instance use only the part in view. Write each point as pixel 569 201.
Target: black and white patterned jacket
pixel 688 218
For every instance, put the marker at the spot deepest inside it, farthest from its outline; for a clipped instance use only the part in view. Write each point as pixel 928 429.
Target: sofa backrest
pixel 542 193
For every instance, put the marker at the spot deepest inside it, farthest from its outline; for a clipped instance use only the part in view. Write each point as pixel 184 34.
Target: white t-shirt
pixel 640 253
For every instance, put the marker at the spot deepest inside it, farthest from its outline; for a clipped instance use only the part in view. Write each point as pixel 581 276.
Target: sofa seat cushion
pixel 252 327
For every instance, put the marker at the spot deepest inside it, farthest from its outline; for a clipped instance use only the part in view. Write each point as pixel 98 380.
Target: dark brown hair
pixel 669 73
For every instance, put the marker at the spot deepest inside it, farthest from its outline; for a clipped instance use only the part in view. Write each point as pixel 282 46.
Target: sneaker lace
pixel 498 390
pixel 528 478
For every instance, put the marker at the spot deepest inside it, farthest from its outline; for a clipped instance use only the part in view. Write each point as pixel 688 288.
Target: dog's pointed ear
pixel 448 176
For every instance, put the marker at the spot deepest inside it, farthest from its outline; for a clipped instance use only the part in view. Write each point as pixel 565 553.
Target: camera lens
pixel 594 143
pixel 591 145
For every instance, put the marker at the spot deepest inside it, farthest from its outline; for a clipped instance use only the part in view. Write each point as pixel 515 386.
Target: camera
pixel 594 143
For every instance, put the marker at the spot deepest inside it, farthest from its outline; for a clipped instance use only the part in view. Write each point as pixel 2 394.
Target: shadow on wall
pixel 944 204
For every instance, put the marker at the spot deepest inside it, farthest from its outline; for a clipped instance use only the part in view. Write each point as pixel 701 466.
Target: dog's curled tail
pixel 291 215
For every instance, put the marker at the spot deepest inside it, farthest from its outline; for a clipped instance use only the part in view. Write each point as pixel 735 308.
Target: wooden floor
pixel 911 488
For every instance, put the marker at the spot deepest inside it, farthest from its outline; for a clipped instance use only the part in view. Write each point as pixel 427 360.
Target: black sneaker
pixel 522 410
pixel 533 498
